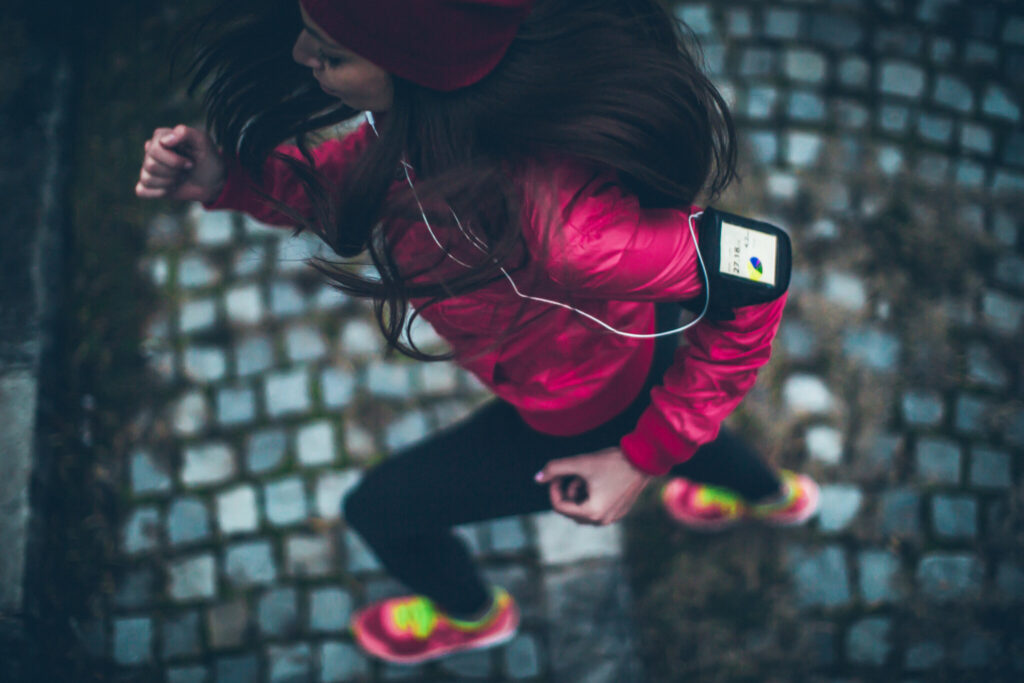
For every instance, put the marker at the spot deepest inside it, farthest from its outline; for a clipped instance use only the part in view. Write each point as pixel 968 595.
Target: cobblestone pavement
pixel 907 404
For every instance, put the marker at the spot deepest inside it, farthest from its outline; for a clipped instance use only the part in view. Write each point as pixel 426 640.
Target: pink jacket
pixel 606 256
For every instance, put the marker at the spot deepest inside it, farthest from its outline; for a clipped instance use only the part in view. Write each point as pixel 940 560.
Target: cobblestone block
pixel 938 461
pixel 235 406
pixel 192 578
pixel 873 348
pixel 358 555
pixel 890 160
pixel 227 624
pixel 976 52
pixel 196 315
pixel 133 640
pixel 1010 271
pixel 308 556
pixel 278 612
pixel 204 363
pixel 932 169
pixel 878 574
pixel 561 541
pixel 898 40
pixel 697 17
pixel 287 393
pixel 406 430
pixel 955 516
pixel 901 78
pixel 237 510
pixel 947 577
pixel 798 339
pixel 286 299
pixel 285 501
pixel 953 93
pixel 924 655
pixel 1010 581
pixel 187 521
pixel 825 444
pixel 341 662
pixel 250 563
pixel 807 394
pixel 850 114
pixel 937 129
pixel 998 103
pixel 250 261
pixel 1013 31
pixel 522 657
pixel 135 589
pixel 195 272
pixel 820 578
pixel 900 513
pixel 337 386
pixel 807 66
pixel 984 368
pixel 1013 150
pixel 781 23
pixel 978 651
pixel 400 672
pixel 893 118
pixel 359 338
pixel 304 343
pixel 971 415
pixel 835 31
pixel 508 535
pixel 969 174
pixel 806 106
pixel 757 61
pixel 213 228
pixel 468 665
pixel 359 442
pixel 869 641
pixel 253 355
pixel 331 489
pixel 141 531
pixel 329 610
pixel 314 443
pixel 148 476
pixel 845 289
pixel 803 149
pixel 839 506
pixel 190 414
pixel 391 380
pixel 976 138
pixel 922 408
pixel 761 103
pixel 854 72
pixel 437 379
pixel 738 23
pixel 471 535
pixel 244 305
pixel 260 230
pixel 266 450
pixel 289 663
pixel 990 468
pixel 180 635
pixel 238 669
pixel 1006 181
pixel 188 674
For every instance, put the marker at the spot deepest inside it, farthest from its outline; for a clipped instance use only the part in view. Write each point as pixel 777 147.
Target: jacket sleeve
pixel 608 247
pixel 241 191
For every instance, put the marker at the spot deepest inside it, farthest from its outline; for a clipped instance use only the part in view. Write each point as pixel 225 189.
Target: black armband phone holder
pixel 747 261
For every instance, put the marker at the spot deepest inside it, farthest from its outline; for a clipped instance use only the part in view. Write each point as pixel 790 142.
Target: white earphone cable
pixel 479 246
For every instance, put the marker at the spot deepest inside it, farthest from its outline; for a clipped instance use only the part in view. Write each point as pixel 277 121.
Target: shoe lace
pixel 712 495
pixel 416 615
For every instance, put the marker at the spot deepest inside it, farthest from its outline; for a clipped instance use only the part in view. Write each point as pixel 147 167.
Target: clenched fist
pixel 181 163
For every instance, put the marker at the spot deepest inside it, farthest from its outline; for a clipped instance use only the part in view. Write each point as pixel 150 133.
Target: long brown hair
pixel 617 83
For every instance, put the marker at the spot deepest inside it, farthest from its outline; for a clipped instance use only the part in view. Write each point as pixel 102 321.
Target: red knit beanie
pixel 439 44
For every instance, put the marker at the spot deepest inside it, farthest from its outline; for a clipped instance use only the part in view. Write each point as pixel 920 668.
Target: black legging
pixel 483 468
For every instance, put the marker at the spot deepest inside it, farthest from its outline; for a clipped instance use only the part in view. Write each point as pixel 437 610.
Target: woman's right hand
pixel 181 163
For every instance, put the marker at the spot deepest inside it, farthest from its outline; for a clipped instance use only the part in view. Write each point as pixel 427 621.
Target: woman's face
pixel 355 81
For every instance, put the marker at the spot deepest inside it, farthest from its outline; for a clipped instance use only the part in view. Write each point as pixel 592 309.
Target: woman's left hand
pixel 613 485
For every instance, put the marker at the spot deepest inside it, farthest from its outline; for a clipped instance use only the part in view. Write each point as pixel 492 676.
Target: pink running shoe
pixel 410 629
pixel 711 508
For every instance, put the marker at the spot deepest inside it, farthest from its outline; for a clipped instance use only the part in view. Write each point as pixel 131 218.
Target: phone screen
pixel 748 254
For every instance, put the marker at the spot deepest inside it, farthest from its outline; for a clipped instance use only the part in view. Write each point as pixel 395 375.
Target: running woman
pixel 525 181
